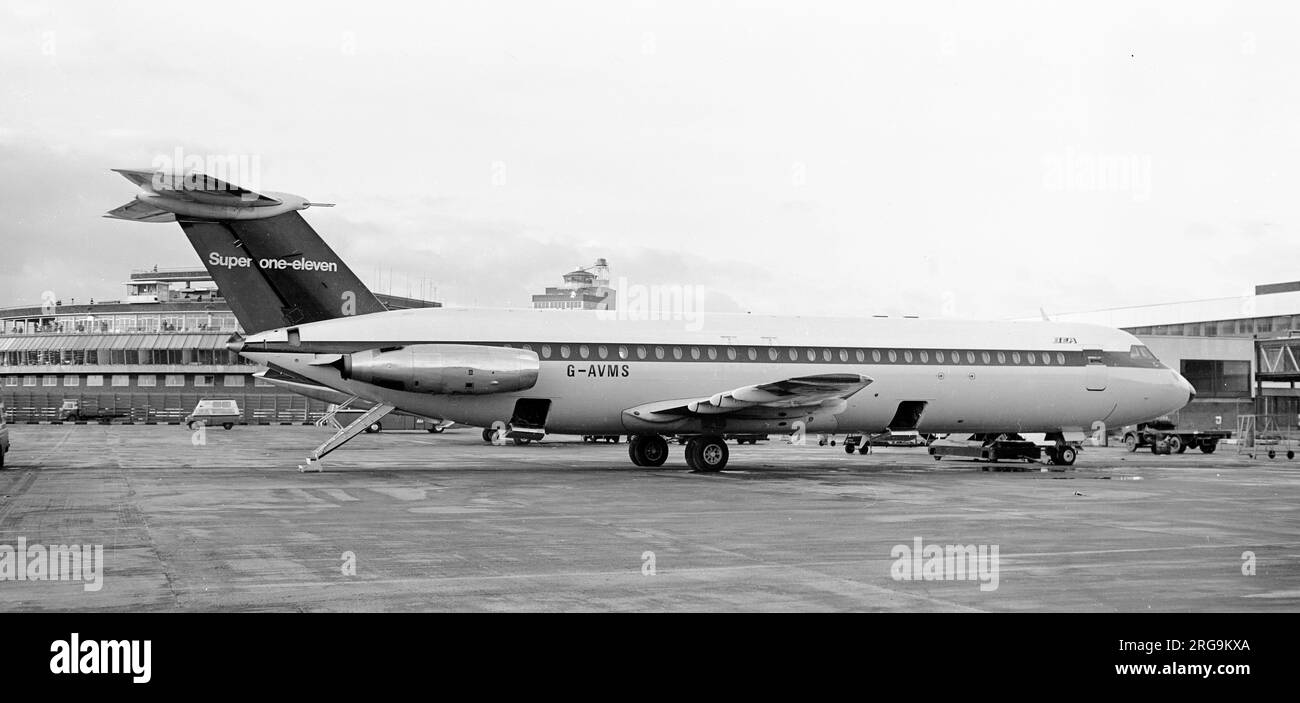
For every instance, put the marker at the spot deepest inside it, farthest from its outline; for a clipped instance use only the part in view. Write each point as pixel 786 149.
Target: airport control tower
pixel 583 289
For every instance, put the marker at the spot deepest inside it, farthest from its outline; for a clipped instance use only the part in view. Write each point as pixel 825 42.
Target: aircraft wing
pixel 761 400
pixel 192 185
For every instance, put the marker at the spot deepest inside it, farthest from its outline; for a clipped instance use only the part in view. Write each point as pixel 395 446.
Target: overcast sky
pixel 970 159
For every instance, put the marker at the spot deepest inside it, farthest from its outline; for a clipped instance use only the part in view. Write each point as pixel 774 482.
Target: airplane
pixel 526 373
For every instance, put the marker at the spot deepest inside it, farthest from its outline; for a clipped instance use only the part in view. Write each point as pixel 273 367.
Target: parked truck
pixel 1164 437
pixel 71 411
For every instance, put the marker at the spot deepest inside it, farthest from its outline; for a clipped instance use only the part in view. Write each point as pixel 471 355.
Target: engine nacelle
pixel 464 369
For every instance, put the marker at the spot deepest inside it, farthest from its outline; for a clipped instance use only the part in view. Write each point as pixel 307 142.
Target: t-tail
pixel 271 266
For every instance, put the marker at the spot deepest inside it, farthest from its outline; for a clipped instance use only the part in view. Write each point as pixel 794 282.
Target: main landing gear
pixel 705 453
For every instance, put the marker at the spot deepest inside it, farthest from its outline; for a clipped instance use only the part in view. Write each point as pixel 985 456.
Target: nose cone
pixel 1186 392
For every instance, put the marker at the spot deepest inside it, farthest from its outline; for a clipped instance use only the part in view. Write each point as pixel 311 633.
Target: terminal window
pixel 121 379
pixel 1218 379
pixel 232 381
pixel 175 379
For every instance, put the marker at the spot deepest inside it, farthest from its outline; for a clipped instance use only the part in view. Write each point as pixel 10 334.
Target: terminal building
pixel 147 358
pixel 1240 353
pixel 583 289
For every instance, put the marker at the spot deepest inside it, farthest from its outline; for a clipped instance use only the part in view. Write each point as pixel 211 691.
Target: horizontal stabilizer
pixel 137 211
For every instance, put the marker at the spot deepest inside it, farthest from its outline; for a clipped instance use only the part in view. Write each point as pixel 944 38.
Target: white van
pixel 214 412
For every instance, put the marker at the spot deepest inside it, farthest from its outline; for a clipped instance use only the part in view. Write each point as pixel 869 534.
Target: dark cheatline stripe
pixel 578 352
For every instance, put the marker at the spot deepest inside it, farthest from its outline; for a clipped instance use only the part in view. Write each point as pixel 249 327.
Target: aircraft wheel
pixel 1066 455
pixel 652 450
pixel 692 445
pixel 710 454
pixel 487 434
pixel 634 451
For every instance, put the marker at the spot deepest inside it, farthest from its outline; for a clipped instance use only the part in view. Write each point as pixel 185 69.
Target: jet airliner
pixel 308 318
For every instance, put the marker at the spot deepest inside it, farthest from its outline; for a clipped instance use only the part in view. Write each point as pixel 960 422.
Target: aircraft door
pixel 1096 373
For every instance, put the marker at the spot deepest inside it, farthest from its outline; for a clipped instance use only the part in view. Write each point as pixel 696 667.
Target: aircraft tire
pixel 707 454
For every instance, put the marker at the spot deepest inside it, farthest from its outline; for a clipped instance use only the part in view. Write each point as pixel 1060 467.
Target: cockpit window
pixel 1142 356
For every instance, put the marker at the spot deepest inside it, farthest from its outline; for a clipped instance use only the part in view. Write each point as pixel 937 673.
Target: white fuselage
pixel 972 376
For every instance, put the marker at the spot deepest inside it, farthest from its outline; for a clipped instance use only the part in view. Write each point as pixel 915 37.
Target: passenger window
pixel 970 357
pixel 1060 358
pixel 677 352
pixel 985 356
pixel 752 353
pixel 622 352
pixel 640 352
pixel 861 356
pixel 1002 357
pixel 731 353
pixel 844 355
pixel 713 353
pixel 583 351
pixel 771 353
pixel 812 355
pixel 1047 358
pixel 564 351
pixel 528 347
pixel 875 355
pixel 893 356
pixel 603 352
pixel 659 352
pixel 925 357
pixel 1030 357
pixel 546 351
pixel 907 356
pixel 826 355
pixel 695 352
pixel 794 354
pixel 1015 357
